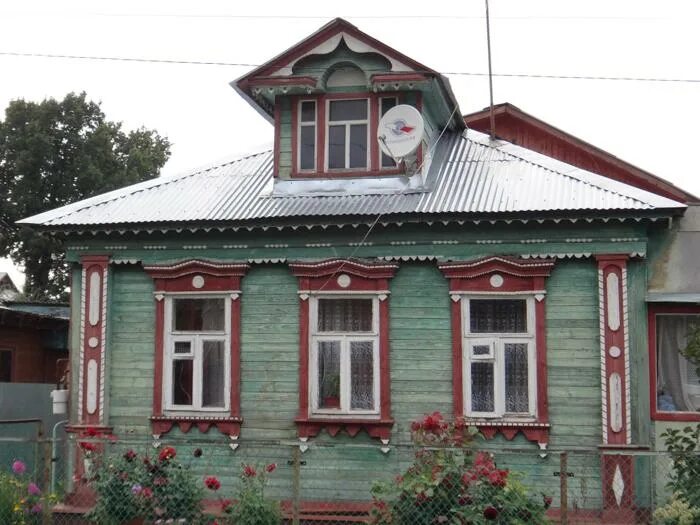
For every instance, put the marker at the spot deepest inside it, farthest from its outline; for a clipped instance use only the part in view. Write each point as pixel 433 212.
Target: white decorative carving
pixel 303 447
pixel 613 299
pixel 198 281
pixel 543 450
pixel 95 292
pixel 615 352
pixel 385 448
pixel 156 440
pixel 455 297
pixel 92 386
pixel 159 296
pixel 382 296
pixel 539 297
pixel 93 342
pixel 496 280
pixel 615 402
pixel 233 446
pixel 235 296
pixel 618 485
pixel 303 296
pixel 344 280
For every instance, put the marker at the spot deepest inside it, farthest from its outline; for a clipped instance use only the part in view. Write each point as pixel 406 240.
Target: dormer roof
pixel 285 74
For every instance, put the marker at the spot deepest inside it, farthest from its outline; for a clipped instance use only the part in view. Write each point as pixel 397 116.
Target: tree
pixel 54 153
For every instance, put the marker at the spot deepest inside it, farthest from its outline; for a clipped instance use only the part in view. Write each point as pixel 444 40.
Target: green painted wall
pixel 420 336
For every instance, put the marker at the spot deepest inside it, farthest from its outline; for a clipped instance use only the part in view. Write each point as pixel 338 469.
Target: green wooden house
pixel 323 293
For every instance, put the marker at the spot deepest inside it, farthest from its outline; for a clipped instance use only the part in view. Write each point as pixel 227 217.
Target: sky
pixel 653 125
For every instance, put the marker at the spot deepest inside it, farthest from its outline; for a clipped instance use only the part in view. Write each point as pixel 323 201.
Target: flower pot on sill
pixel 331 402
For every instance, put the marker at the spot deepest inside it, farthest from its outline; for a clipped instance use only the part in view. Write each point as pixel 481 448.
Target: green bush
pixel 250 505
pixel 684 446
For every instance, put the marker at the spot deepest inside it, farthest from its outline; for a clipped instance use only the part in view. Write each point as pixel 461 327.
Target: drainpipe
pixel 53 454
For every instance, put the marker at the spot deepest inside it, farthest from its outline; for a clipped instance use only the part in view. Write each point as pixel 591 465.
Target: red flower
pixel 147 493
pixel 166 454
pixel 160 481
pixel 434 422
pixel 91 432
pixel 547 500
pixel 415 426
pixel 212 483
pixel 249 471
pixel 490 513
pixel 271 467
pixel 130 455
pixel 497 478
pixel 87 447
pixel 225 504
pixel 465 500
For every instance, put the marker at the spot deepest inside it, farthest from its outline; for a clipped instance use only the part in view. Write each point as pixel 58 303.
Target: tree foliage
pixel 54 153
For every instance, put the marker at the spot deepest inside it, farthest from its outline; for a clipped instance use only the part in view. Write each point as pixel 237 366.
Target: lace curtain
pixel 676 378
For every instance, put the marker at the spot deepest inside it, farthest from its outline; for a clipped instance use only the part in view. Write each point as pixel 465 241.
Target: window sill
pixel 346 174
pixel 228 425
pixel 535 431
pixel 690 417
pixel 312 426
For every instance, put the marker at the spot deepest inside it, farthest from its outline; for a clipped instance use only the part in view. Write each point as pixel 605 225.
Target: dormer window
pixel 336 135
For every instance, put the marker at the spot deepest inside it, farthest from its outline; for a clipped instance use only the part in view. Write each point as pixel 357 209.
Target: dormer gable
pixel 325 97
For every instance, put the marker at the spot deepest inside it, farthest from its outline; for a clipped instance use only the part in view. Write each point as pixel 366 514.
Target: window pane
pixel 197 315
pixel 308 111
pixel 348 109
pixel 213 369
pixel 517 400
pixel 362 375
pixel 678 388
pixel 182 347
pixel 336 147
pixel 182 381
pixel 5 366
pixel 387 104
pixel 307 148
pixel 358 146
pixel 329 374
pixel 498 315
pixel 345 315
pixel 482 387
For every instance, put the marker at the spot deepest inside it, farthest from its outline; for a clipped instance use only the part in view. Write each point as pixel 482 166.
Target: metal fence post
pixel 563 489
pixel 296 484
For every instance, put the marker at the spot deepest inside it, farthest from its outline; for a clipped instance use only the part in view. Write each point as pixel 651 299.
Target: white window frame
pixel 301 124
pixel 497 341
pixel 196 339
pixel 345 339
pixel 347 124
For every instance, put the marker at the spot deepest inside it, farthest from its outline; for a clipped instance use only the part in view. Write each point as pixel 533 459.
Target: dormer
pixel 326 95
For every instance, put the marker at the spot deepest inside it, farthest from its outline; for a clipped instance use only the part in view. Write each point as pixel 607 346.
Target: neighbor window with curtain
pixel 677 381
pixel 344 364
pixel 196 359
pixel 499 357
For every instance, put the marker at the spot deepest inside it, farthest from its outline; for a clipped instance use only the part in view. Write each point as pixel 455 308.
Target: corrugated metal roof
pixel 468 175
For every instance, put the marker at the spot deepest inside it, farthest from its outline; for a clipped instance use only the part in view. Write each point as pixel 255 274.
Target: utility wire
pixel 456 73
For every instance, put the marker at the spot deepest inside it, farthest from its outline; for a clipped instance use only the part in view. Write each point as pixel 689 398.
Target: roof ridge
pixel 143 186
pixel 552 170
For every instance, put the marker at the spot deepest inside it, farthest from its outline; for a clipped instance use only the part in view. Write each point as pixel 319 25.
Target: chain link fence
pixel 92 479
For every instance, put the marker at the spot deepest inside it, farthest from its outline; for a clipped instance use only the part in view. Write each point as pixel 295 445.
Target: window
pixel 197 364
pixel 344 355
pixel 5 365
pixel 344 347
pixel 197 346
pixel 347 134
pixel 499 364
pixel 677 383
pixel 335 135
pixel 499 346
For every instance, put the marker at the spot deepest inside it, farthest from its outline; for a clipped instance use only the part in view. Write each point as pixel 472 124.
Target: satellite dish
pixel 400 131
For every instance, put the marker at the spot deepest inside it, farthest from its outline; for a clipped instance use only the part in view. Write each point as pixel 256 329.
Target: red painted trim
pixel 524 275
pixel 175 278
pixel 653 311
pixel 373 169
pixel 399 77
pixel 457 362
pixel 276 151
pixel 615 264
pixel 92 264
pixel 365 277
pixel 283 81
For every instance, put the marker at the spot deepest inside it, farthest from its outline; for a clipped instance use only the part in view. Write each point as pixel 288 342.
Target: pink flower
pixel 18 467
pixel 271 467
pixel 249 471
pixel 33 489
pixel 166 454
pixel 36 509
pixel 147 493
pixel 130 455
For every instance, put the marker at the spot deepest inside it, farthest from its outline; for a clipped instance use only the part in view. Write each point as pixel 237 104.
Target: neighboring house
pixel 33 342
pixel 320 291
pixel 8 290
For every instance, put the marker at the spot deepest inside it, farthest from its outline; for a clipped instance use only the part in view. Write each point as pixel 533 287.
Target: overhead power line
pixel 456 73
